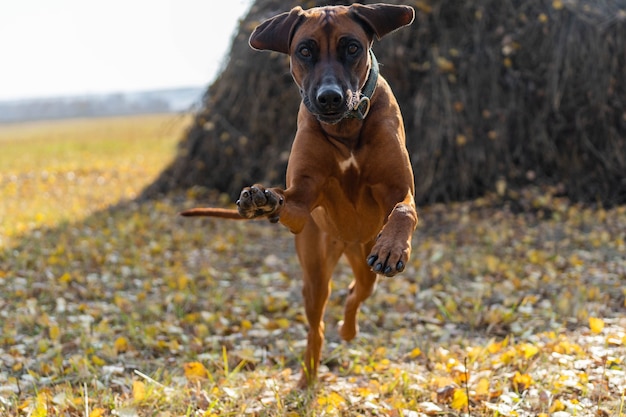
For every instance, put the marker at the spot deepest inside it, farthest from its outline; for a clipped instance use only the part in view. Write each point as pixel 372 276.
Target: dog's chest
pixel 349 163
pixel 351 179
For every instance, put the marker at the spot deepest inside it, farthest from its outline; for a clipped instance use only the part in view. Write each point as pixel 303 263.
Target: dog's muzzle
pixel 331 105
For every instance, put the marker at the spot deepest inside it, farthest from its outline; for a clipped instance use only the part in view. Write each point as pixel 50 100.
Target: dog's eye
pixel 353 49
pixel 305 52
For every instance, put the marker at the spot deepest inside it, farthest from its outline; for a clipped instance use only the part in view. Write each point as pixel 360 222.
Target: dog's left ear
pixel 275 34
pixel 383 18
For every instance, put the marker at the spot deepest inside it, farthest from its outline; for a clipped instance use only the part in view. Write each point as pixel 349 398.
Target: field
pixel 512 305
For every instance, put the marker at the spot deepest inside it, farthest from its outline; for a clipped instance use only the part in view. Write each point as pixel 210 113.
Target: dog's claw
pixel 383 268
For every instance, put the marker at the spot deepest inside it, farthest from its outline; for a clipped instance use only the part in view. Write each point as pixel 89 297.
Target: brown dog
pixel 349 178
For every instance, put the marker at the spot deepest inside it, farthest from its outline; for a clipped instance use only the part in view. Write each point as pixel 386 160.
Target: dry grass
pixel 56 171
pixel 133 311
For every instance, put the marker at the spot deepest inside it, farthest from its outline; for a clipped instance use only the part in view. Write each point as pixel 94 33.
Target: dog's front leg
pixel 392 249
pixel 318 252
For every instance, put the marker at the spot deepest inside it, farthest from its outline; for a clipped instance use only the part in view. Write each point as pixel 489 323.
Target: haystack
pixel 493 92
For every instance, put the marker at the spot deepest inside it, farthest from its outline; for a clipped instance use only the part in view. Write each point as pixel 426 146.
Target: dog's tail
pixel 213 212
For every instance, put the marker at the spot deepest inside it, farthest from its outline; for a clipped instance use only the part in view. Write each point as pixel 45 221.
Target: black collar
pixel 363 106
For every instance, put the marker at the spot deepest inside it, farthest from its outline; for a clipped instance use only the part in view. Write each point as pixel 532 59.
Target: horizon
pixel 103 94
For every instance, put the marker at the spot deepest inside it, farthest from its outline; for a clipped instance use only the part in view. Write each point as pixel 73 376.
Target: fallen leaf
pixel 331 401
pixel 195 371
pixel 596 325
pixel 97 412
pixel 459 399
pixel 139 391
pixel 521 382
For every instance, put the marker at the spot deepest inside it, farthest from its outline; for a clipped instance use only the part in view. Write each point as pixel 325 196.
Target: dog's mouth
pixel 333 117
pixel 326 117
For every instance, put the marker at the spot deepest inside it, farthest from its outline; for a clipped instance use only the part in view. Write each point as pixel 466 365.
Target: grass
pixel 54 171
pixel 128 309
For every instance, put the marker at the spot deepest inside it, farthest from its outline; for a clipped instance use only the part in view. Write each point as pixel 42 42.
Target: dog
pixel 350 183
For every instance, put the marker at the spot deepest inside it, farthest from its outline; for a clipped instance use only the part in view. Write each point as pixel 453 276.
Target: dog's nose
pixel 329 98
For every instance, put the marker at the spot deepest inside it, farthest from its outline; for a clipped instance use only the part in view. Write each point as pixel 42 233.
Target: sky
pixel 51 48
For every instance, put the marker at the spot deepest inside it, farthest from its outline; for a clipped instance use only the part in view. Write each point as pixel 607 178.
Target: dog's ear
pixel 275 34
pixel 383 18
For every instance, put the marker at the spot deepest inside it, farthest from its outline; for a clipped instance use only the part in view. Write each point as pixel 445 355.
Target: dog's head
pixel 329 50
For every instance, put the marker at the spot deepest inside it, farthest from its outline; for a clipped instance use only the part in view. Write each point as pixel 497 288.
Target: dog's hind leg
pixel 318 254
pixel 361 288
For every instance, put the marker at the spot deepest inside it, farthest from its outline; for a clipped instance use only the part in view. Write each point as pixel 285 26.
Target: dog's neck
pixel 362 108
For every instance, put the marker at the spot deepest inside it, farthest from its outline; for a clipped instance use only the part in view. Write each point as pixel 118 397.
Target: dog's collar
pixel 362 108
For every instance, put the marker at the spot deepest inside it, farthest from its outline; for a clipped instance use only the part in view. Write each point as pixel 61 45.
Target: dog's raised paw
pixel 257 201
pixel 391 264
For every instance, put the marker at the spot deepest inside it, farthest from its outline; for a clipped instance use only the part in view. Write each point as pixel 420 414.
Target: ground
pixel 512 304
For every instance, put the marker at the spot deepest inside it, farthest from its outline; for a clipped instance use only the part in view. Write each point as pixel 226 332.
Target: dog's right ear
pixel 275 34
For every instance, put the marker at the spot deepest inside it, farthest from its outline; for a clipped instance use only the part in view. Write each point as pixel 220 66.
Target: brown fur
pixel 350 183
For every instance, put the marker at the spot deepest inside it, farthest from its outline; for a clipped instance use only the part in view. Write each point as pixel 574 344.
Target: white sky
pixel 69 47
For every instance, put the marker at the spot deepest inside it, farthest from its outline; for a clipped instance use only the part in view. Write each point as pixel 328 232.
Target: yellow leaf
pixel 494 347
pixel 201 330
pixel 45 368
pixel 557 405
pixel 182 282
pixel 575 260
pixel 557 4
pixel 40 407
pixel 482 389
pixel 535 256
pixel 283 323
pixel 596 325
pixel 54 332
pixel 96 360
pixel 508 356
pixel 120 345
pixel 415 353
pixel 195 371
pixel 459 399
pixel 521 382
pixel 380 351
pixel 492 263
pixel 97 412
pixel 139 390
pixel 331 401
pixel 529 350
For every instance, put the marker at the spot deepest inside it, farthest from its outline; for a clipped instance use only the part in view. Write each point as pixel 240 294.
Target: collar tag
pixel 362 108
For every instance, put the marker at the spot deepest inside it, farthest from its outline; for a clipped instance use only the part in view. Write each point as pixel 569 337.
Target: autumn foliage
pixel 113 307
